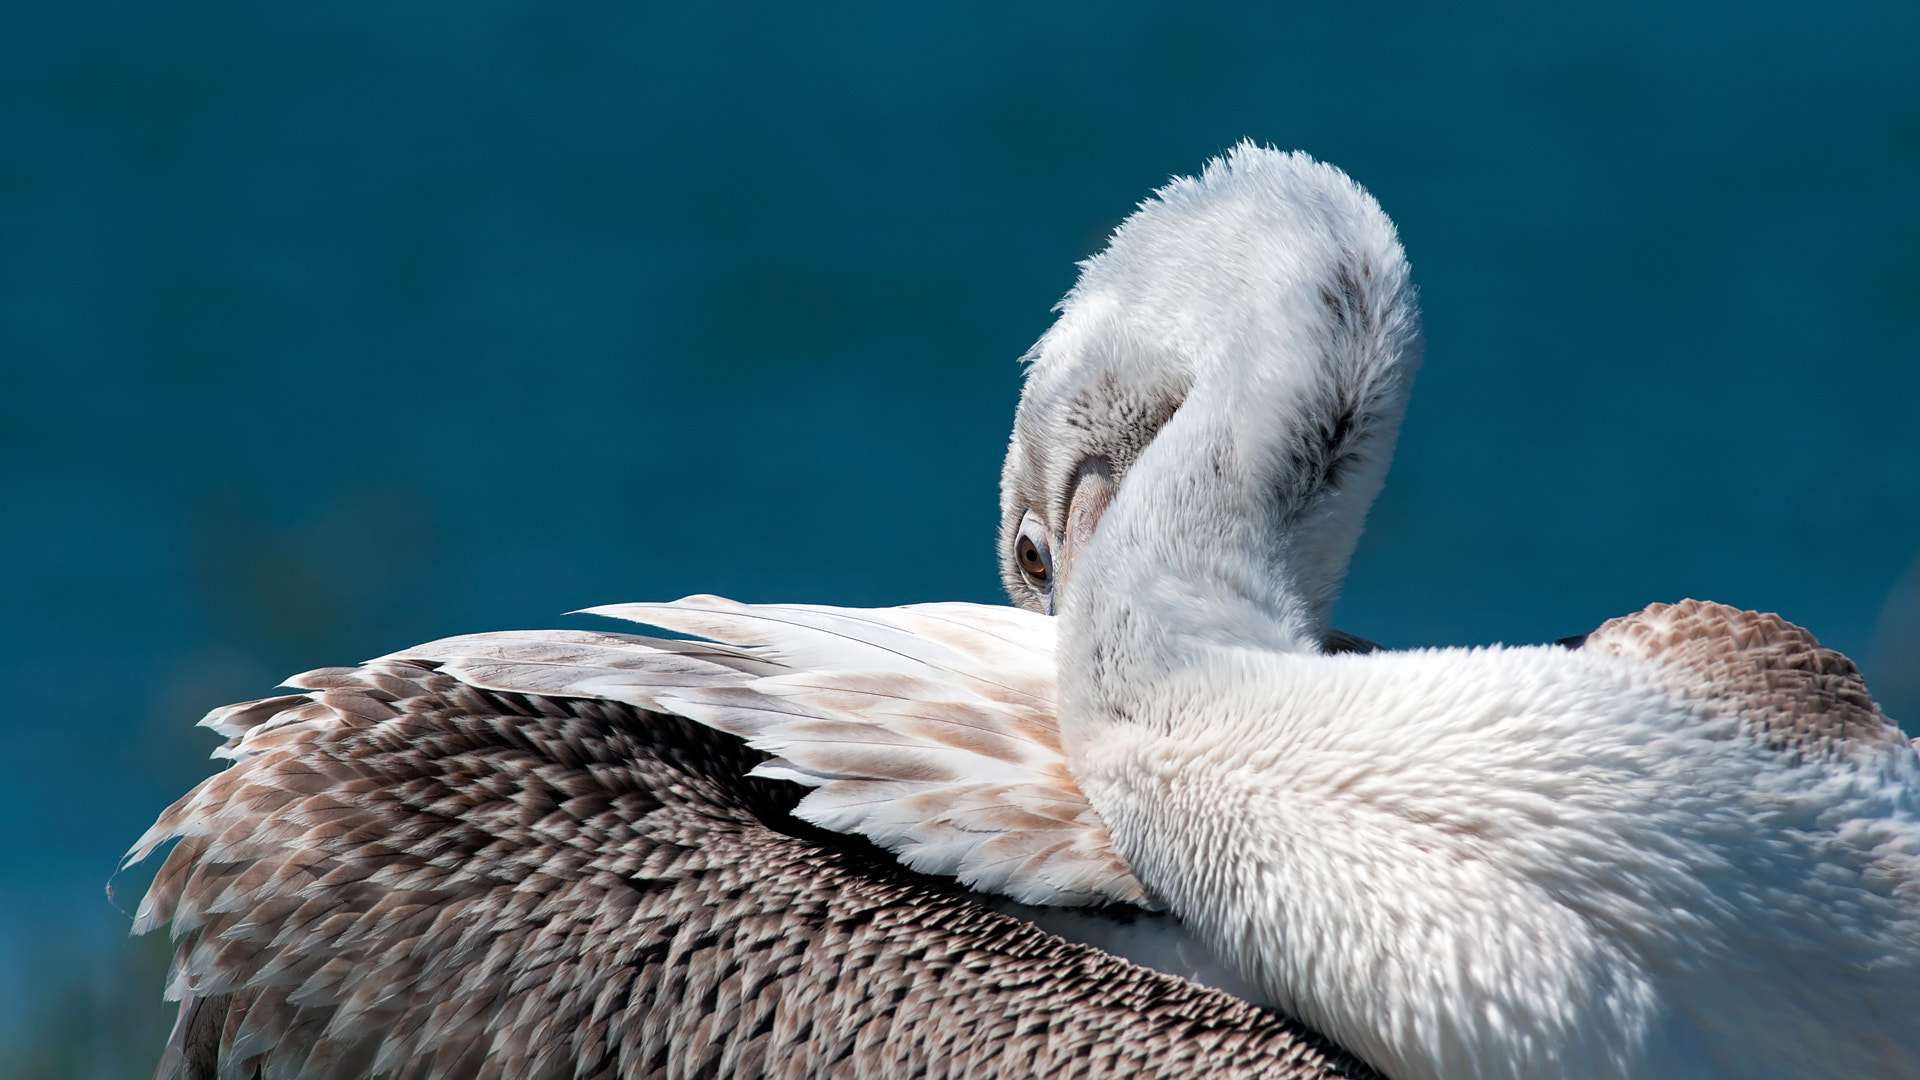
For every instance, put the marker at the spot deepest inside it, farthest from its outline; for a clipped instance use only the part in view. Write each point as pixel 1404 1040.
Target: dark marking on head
pixel 1345 297
pixel 1348 413
pixel 1321 456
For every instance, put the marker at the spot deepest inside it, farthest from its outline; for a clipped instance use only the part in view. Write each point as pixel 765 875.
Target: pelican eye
pixel 1030 560
pixel 1031 552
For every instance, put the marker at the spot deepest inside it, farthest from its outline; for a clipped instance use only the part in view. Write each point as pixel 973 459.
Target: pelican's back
pixel 408 876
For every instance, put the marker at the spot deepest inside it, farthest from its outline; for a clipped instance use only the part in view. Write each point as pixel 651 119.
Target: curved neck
pixel 1235 526
pixel 1276 291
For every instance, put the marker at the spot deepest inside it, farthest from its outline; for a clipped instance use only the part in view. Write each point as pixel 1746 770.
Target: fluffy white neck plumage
pixel 1460 864
pixel 1278 290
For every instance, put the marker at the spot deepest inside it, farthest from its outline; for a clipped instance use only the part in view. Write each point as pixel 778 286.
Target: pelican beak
pixel 1093 490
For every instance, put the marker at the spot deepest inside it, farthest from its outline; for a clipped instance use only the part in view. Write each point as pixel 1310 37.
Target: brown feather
pixel 1788 692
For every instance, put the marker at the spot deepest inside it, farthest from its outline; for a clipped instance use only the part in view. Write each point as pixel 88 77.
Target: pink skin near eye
pixel 1091 495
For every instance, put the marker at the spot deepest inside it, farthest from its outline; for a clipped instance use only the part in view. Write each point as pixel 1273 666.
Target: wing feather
pixel 487 884
pixel 569 663
pixel 928 729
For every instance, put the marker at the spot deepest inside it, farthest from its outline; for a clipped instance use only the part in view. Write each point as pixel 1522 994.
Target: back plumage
pixel 413 869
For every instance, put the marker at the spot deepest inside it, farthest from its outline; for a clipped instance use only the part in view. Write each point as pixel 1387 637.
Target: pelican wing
pixel 405 875
pixel 929 729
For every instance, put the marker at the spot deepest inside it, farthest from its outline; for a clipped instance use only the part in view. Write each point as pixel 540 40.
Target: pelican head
pixel 1085 415
pixel 1237 285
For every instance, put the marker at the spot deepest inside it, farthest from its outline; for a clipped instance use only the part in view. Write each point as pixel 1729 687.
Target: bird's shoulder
pixel 1789 692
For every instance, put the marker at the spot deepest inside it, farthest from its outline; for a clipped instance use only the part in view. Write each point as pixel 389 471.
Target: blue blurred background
pixel 330 328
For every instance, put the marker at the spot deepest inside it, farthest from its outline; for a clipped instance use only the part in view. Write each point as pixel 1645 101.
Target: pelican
pixel 521 854
pixel 1686 844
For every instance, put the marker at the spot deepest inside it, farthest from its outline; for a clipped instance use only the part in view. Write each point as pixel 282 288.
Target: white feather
pixel 928 729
